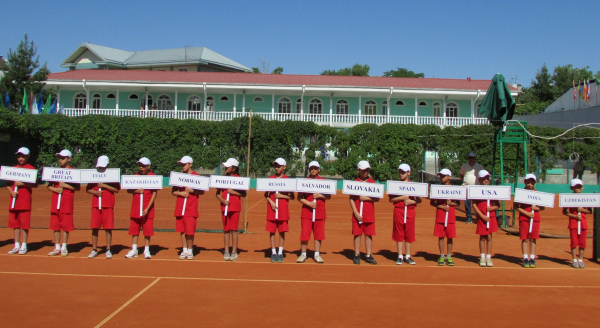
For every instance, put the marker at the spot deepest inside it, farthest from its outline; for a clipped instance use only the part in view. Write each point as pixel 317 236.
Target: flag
pixel 589 87
pixel 34 108
pixel 40 103
pixel 574 91
pixel 579 88
pixel 6 101
pixel 53 108
pixel 46 109
pixel 62 109
pixel 24 105
pixel 31 98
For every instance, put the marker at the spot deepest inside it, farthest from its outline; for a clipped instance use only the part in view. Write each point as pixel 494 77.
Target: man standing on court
pixel 468 174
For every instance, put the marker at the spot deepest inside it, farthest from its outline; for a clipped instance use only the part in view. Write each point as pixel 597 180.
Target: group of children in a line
pixel 278 215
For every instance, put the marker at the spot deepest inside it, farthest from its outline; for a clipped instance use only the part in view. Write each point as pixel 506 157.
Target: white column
pixel 359 109
pixel 416 110
pixel 204 103
pixel 273 105
pixel 117 104
pixel 234 101
pixel 331 109
pixel 244 102
pixel 57 99
pixel 472 111
pixel 87 102
pixel 176 98
pixel 444 110
pixel 146 102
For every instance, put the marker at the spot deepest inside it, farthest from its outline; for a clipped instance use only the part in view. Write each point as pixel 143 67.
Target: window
pixel 111 96
pixel 164 102
pixel 341 107
pixel 299 106
pixel 258 99
pixel 384 107
pixel 422 103
pixel 80 100
pixel 284 105
pixel 183 69
pixel 224 98
pixel 150 102
pixel 210 104
pixel 96 101
pixel 437 109
pixel 399 103
pixel 133 96
pixel 370 107
pixel 451 109
pixel 194 103
pixel 315 106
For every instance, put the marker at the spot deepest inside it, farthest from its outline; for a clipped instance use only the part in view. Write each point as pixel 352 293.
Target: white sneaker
pixel 64 252
pixel 233 257
pixel 190 255
pixel 131 254
pixel 23 251
pixel 14 250
pixel 93 254
pixel 108 255
pixel 147 255
pixel 54 252
pixel 183 255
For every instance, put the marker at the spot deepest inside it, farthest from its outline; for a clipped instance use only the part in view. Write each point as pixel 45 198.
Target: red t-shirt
pixel 440 215
pixel 319 211
pixel 482 206
pixel 527 208
pixel 191 206
pixel 235 203
pixel 368 212
pixel 284 211
pixel 411 212
pixel 573 222
pixel 66 200
pixel 135 203
pixel 108 197
pixel 23 202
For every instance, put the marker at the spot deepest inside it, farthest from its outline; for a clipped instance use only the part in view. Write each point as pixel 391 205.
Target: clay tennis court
pixel 79 292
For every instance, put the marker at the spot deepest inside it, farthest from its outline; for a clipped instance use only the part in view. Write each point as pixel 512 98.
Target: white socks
pixel 532 256
pixel 316 253
pixel 185 250
pixel 525 257
pixel 274 251
pixel 280 250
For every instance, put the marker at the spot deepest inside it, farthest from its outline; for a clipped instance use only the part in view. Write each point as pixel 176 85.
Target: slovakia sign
pixel 448 192
pixel 61 175
pixel 197 182
pixel 489 192
pixel 534 197
pixel 321 186
pixel 94 176
pixel 141 182
pixel 271 184
pixel 579 200
pixel 407 188
pixel 359 188
pixel 18 174
pixel 226 182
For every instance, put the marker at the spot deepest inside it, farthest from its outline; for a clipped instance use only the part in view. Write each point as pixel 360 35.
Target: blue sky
pixel 444 39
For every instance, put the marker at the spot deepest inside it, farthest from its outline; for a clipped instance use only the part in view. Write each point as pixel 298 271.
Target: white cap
pixel 575 182
pixel 102 161
pixel 280 161
pixel 63 153
pixel 144 161
pixel 404 167
pixel 530 176
pixel 185 160
pixel 445 172
pixel 314 164
pixel 231 162
pixel 363 165
pixel 23 150
pixel 484 173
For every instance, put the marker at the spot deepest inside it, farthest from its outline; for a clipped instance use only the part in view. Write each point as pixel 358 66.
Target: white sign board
pixel 321 186
pixel 407 188
pixel 270 184
pixel 141 182
pixel 448 192
pixel 197 182
pixel 226 182
pixel 61 175
pixel 359 188
pixel 534 197
pixel 489 192
pixel 93 176
pixel 18 174
pixel 579 200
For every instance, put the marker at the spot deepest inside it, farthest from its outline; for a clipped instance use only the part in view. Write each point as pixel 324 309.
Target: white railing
pixel 326 119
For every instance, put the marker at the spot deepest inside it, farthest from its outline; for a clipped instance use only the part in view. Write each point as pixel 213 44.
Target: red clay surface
pixel 165 291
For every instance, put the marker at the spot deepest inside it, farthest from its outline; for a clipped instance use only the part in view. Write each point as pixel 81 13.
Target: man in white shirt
pixel 468 174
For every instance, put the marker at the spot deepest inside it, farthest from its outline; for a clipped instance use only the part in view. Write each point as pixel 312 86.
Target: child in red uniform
pixel 404 233
pixel 186 220
pixel 577 216
pixel 230 199
pixel 19 216
pixel 278 213
pixel 146 220
pixel 62 218
pixel 312 202
pixel 527 212
pixel 365 223
pixel 449 232
pixel 485 234
pixel 103 203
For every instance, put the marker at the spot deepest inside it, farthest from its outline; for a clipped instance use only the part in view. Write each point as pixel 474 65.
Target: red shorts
pixel 137 224
pixel 61 221
pixel 317 228
pixel 19 219
pixel 103 218
pixel 524 230
pixel 578 240
pixel 403 232
pixel 231 221
pixel 482 229
pixel 368 229
pixel 186 224
pixel 274 226
pixel 440 231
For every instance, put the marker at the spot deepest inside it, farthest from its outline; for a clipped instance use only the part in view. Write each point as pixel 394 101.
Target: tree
pixel 356 70
pixel 265 67
pixel 402 72
pixel 564 76
pixel 20 75
pixel 541 87
pixel 278 70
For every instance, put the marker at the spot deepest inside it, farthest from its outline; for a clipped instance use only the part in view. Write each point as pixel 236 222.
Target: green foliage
pixel 278 70
pixel 564 76
pixel 541 87
pixel 402 72
pixel 356 70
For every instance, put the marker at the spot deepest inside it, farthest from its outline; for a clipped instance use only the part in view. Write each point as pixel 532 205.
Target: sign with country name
pixel 197 182
pixel 95 176
pixel 579 200
pixel 321 186
pixel 226 182
pixel 359 188
pixel 61 175
pixel 407 188
pixel 141 182
pixel 489 192
pixel 18 174
pixel 534 197
pixel 448 192
pixel 270 184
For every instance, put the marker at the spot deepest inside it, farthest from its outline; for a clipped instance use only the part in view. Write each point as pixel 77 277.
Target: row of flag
pixel 37 107
pixel 583 89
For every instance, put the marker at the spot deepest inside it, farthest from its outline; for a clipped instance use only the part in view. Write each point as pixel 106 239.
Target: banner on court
pixel 196 182
pixel 282 185
pixel 407 188
pixel 448 192
pixel 489 192
pixel 141 182
pixel 18 174
pixel 359 188
pixel 531 197
pixel 321 186
pixel 61 175
pixel 225 182
pixel 579 200
pixel 94 176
